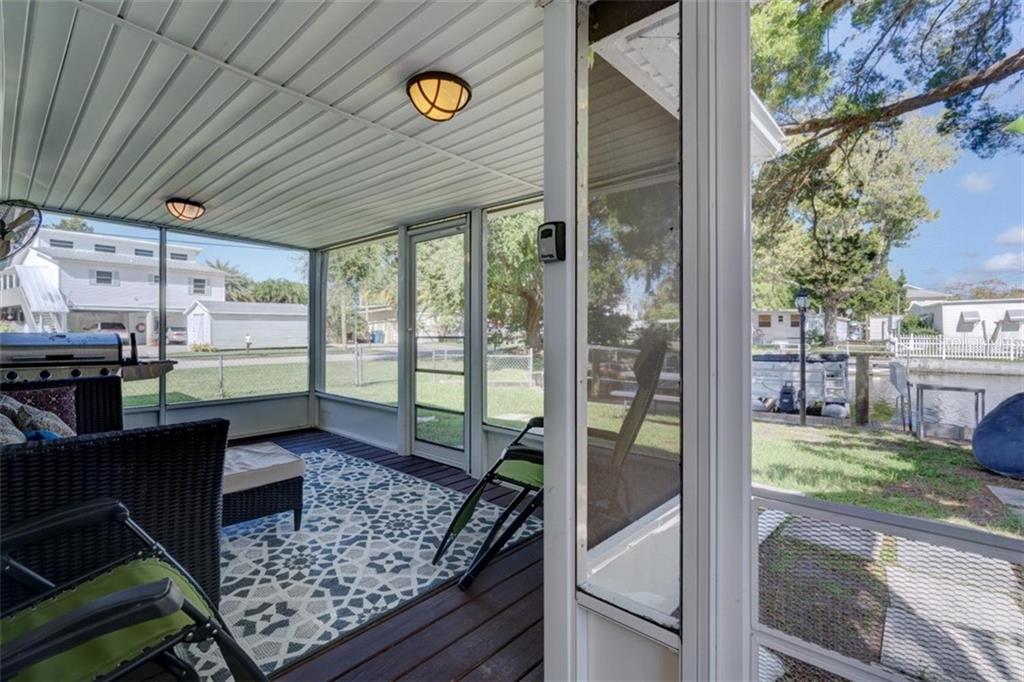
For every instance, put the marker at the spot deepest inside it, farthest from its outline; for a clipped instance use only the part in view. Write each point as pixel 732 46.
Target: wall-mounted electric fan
pixel 19 222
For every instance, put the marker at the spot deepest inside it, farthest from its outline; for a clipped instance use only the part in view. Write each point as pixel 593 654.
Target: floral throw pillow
pixel 10 434
pixel 60 400
pixel 33 419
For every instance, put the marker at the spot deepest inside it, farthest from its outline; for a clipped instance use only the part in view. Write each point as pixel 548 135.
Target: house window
pixel 105 248
pixel 764 321
pixel 104 277
pixel 780 319
pixel 794 320
pixel 145 253
pixel 179 256
pixel 197 286
pixel 62 244
pixel 154 279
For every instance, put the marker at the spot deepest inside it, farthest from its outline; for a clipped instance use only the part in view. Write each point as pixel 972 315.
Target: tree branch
pixel 993 74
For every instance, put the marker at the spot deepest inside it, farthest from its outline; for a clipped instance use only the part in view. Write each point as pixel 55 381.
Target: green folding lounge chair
pixel 519 465
pixel 113 621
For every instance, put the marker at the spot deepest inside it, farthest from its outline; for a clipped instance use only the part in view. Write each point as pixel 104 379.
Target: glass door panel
pixel 439 340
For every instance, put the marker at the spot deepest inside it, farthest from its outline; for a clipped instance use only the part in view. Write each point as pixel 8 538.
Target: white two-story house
pixel 76 281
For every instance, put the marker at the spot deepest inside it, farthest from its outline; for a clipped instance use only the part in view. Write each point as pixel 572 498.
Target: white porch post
pixel 406 362
pixel 716 594
pixel 560 344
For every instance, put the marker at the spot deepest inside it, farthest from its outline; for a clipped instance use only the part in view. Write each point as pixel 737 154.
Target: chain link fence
pixel 893 595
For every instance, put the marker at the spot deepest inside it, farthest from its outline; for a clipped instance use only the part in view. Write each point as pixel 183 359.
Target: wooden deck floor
pixel 494 631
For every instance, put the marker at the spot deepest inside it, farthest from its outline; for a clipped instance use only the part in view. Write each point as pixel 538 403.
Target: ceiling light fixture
pixel 184 209
pixel 438 95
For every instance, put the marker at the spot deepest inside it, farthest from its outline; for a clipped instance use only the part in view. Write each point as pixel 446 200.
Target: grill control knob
pixel 76 372
pixel 11 376
pixel 104 372
pixel 45 374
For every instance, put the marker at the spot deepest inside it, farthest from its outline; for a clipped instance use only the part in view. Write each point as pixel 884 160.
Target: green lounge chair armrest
pixel 62 520
pixel 113 612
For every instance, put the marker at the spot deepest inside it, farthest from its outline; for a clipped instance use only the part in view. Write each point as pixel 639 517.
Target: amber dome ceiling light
pixel 438 95
pixel 184 209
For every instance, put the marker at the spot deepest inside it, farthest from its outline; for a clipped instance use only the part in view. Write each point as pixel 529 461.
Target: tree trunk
pixel 533 318
pixel 830 312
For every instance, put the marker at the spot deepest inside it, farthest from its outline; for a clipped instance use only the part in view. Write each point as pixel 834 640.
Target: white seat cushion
pixel 253 466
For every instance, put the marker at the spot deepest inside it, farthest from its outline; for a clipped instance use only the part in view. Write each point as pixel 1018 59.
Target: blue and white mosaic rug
pixel 367 538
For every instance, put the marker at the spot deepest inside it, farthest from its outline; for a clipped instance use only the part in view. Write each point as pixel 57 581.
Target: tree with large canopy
pixel 837 240
pixel 837 72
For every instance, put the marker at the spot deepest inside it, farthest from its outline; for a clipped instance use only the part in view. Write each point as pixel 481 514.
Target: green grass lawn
pixel 882 470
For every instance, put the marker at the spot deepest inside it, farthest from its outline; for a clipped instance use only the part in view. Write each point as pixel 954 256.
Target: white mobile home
pixel 775 327
pixel 225 324
pixel 987 319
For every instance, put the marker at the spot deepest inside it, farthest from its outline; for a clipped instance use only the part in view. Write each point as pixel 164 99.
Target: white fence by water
pixel 955 348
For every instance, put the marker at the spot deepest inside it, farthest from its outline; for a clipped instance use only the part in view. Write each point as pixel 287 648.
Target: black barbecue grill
pixel 60 355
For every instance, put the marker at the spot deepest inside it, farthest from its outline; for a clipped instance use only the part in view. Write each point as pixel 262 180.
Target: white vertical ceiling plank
pixel 238 133
pixel 149 74
pixel 177 138
pixel 356 37
pixel 310 159
pixel 239 97
pixel 298 96
pixel 49 104
pixel 158 75
pixel 128 52
pixel 89 52
pixel 326 28
pixel 382 97
pixel 413 31
pixel 45 41
pixel 193 81
pixel 189 78
pixel 289 22
pixel 334 206
pixel 15 21
pixel 377 181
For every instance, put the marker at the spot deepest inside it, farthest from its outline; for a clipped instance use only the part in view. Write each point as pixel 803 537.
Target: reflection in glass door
pixel 438 321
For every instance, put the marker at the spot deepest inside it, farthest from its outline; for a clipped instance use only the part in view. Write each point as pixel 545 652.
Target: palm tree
pixel 237 285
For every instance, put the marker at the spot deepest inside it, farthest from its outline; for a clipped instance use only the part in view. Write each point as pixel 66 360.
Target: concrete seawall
pixel 992 367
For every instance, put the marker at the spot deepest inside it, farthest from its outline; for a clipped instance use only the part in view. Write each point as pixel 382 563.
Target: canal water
pixel 952 407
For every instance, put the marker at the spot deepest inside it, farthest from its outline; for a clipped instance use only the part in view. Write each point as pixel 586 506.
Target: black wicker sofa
pixel 170 477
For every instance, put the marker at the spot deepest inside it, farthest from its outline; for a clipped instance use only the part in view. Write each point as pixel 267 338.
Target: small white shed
pixel 225 324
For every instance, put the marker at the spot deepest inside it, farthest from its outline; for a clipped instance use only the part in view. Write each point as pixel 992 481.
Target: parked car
pixel 113 328
pixel 177 335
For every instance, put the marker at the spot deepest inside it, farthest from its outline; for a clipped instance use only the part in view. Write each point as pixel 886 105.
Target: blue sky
pixel 979 234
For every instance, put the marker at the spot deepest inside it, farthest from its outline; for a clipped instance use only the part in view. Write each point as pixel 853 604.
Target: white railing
pixel 967 560
pixel 955 348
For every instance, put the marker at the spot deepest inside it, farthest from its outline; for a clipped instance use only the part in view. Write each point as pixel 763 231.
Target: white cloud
pixel 1014 235
pixel 978 183
pixel 1005 262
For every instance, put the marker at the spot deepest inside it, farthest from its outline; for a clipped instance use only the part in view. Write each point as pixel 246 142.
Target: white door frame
pixel 716 376
pixel 411 237
pixel 715 587
pixel 560 635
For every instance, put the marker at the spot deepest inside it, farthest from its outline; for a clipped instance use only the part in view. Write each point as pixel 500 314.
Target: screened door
pixel 438 260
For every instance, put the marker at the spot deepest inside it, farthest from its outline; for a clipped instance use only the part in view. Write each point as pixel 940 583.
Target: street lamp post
pixel 802 302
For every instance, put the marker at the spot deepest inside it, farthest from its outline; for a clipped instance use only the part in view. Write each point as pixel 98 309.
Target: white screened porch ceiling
pixel 287 119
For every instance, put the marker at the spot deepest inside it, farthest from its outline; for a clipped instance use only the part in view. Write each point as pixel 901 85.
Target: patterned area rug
pixel 368 535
